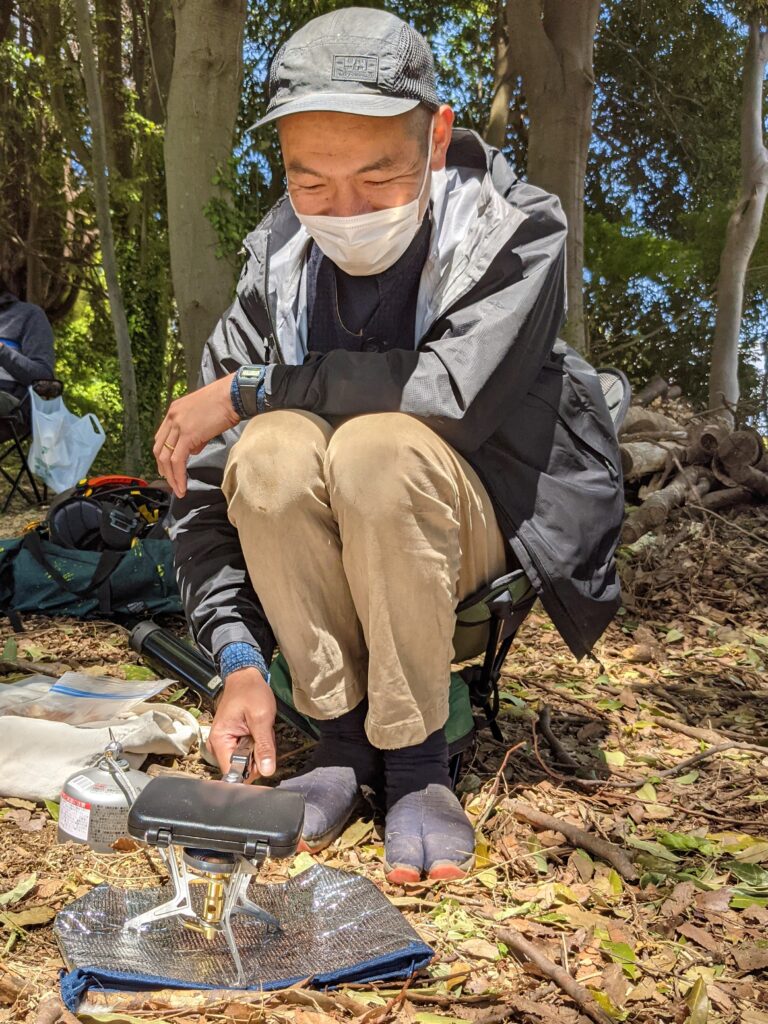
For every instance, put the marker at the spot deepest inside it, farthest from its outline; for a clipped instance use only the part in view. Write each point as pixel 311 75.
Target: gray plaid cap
pixel 356 61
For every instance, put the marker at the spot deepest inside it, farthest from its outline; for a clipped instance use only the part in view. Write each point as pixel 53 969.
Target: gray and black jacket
pixel 27 352
pixel 487 373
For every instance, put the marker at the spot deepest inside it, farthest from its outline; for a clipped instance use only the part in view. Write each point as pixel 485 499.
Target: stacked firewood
pixel 686 458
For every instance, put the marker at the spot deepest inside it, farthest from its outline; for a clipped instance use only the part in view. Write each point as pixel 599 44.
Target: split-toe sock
pixel 426 828
pixel 343 761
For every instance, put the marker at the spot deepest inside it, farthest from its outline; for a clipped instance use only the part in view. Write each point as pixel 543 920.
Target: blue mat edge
pixel 401 964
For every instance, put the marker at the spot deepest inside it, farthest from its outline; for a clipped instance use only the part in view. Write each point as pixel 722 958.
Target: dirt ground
pixel 659 746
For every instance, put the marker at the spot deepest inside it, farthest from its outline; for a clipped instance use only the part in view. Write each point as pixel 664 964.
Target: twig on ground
pixel 601 848
pixel 527 951
pixel 49 1010
pixel 494 793
pixel 708 735
pixel 52 1010
pixel 575 780
pixel 724 519
pixel 11 987
pixel 582 703
pixel 296 751
pixel 544 723
pixel 378 1017
pixel 704 754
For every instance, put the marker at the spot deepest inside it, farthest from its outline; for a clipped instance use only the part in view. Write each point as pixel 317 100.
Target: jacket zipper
pixel 273 329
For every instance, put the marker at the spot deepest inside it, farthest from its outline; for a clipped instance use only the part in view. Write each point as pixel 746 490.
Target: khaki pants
pixel 360 541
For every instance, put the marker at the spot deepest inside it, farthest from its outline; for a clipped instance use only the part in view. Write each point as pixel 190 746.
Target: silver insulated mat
pixel 336 927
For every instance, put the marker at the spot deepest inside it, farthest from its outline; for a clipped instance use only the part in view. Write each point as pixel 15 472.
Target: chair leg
pixel 15 483
pixel 16 446
pixel 454 769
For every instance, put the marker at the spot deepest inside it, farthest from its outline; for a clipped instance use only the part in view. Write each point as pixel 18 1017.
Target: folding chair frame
pixel 13 421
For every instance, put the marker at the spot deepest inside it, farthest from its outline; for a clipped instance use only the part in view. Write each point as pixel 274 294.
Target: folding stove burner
pixel 217 835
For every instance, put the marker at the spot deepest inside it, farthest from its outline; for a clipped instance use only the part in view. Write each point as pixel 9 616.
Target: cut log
pixel 640 420
pixel 641 458
pixel 651 486
pixel 711 435
pixel 754 479
pixel 736 460
pixel 655 388
pixel 726 498
pixel 693 482
pixel 743 446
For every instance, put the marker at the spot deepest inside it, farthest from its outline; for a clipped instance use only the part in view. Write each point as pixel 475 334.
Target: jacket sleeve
pixel 34 359
pixel 476 361
pixel 220 602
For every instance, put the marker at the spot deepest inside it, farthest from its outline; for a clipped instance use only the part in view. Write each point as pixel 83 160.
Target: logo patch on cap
pixel 353 68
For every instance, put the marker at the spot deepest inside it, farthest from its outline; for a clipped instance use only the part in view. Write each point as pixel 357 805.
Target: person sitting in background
pixel 26 348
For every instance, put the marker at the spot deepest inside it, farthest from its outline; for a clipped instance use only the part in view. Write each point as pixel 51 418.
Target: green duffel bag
pixel 42 578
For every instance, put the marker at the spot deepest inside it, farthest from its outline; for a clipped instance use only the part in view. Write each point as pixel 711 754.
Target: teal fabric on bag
pixel 43 578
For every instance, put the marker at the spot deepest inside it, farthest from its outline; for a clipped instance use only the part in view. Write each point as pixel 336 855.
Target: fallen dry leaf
pixel 615 984
pixel 481 949
pixel 641 653
pixel 715 902
pixel 27 918
pixel 751 957
pixel 678 901
pixel 700 936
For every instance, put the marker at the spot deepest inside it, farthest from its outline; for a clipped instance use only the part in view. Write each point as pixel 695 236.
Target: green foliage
pixel 662 179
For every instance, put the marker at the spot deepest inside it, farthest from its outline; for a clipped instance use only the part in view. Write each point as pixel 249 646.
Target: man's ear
pixel 441 136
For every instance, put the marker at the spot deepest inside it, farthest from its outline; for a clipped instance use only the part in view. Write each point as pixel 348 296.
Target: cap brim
pixel 340 103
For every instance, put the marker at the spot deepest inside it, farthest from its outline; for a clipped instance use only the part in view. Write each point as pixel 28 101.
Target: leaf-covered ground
pixel 655 747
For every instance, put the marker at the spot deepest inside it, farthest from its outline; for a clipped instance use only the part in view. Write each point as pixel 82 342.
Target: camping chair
pixel 486 623
pixel 15 434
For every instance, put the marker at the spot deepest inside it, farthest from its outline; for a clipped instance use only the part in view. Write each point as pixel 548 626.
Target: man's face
pixel 341 165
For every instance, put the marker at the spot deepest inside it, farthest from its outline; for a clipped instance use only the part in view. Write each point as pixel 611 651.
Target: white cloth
pixel 38 756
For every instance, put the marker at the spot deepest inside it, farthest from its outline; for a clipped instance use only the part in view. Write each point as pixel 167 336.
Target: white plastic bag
pixel 63 445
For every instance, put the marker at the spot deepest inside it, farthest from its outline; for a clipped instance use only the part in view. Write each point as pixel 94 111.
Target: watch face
pixel 251 374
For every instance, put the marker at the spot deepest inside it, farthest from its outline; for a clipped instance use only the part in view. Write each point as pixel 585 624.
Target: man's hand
pixel 246 708
pixel 190 423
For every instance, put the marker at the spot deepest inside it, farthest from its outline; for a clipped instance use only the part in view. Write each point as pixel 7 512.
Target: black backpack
pixel 107 513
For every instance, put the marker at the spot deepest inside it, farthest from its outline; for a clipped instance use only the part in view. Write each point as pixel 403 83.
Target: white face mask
pixel 370 242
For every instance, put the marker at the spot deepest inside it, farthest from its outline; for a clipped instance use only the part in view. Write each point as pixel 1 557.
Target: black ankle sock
pixel 343 744
pixel 412 768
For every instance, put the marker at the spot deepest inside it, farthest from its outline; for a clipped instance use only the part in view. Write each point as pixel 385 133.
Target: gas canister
pixel 95 801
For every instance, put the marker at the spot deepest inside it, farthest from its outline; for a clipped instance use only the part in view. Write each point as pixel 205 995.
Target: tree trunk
pixel 161 40
pixel 503 84
pixel 202 107
pixel 6 10
pixel 104 221
pixel 743 227
pixel 108 24
pixel 552 45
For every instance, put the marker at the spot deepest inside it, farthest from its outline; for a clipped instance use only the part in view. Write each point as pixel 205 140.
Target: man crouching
pixel 387 423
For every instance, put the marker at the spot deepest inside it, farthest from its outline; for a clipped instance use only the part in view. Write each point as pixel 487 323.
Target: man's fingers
pixel 178 467
pixel 264 750
pixel 264 757
pixel 166 441
pixel 223 747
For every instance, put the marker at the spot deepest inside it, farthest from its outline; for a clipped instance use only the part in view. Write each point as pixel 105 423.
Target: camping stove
pixel 213 836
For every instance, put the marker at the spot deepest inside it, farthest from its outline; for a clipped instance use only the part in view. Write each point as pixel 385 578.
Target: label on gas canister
pixel 74 816
pixel 107 825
